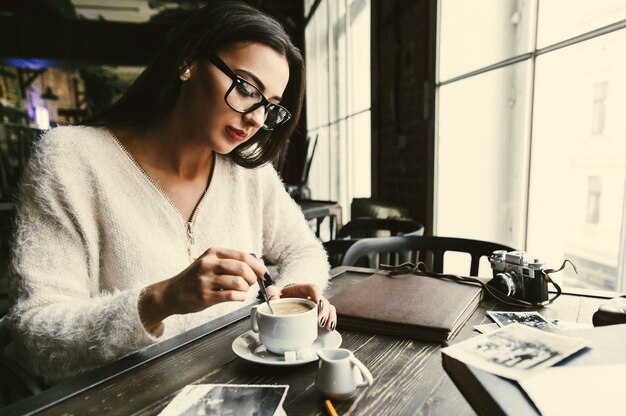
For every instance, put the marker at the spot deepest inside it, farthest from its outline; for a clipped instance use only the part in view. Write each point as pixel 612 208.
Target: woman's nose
pixel 256 118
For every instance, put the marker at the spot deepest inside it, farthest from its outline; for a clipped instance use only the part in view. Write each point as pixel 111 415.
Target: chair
pixel 300 190
pixel 367 227
pixel 379 227
pixel 377 208
pixel 15 382
pixel 399 249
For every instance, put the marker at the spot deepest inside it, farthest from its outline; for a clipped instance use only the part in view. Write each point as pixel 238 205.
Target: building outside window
pixel 593 199
pixel 530 140
pixel 599 107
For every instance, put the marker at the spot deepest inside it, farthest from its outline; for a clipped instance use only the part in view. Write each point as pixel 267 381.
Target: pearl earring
pixel 185 75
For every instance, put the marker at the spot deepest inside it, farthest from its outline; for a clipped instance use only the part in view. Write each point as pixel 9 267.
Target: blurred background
pixel 491 119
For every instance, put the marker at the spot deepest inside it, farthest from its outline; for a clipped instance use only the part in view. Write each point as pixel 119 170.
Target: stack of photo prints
pixel 517 344
pixel 228 399
pixel 548 367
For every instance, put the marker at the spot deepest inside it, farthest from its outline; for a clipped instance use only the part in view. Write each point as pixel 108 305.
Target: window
pixel 337 40
pixel 530 141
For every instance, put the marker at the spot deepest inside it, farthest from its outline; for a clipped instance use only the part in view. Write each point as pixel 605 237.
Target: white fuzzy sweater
pixel 93 230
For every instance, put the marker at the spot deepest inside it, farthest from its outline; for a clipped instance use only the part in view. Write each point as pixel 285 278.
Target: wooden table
pixel 319 210
pixel 409 378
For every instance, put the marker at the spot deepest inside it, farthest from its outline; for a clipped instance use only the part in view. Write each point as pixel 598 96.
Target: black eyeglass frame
pixel 237 80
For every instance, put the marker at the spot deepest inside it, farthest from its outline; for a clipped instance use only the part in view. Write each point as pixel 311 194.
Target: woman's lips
pixel 236 134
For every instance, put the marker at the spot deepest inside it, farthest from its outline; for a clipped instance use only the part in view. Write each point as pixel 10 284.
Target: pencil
pixel 330 408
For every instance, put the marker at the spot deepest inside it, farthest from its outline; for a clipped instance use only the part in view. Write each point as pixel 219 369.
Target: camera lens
pixel 506 283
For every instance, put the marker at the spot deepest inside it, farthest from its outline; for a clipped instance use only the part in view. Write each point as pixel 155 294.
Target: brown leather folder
pixel 407 305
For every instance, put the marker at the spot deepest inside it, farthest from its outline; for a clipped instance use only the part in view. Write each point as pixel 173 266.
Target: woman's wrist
pixel 151 309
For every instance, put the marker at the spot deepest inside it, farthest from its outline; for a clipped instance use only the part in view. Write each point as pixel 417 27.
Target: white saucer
pixel 248 347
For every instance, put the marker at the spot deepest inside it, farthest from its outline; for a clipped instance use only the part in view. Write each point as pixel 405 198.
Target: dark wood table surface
pixel 409 377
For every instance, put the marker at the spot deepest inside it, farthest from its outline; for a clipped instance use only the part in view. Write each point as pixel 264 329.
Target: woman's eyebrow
pixel 258 82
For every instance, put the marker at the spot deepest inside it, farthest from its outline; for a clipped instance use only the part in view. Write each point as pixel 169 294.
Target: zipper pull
pixel 191 244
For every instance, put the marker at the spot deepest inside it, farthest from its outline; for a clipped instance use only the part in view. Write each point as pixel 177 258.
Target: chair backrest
pixel 377 208
pixel 336 250
pixel 396 250
pixel 359 228
pixel 379 227
pixel 301 190
pixel 310 152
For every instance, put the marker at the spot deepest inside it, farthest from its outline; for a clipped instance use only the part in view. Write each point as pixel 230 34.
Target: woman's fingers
pixel 218 275
pixel 331 323
pixel 304 290
pixel 255 264
pixel 230 296
pixel 231 267
pixel 229 282
pixel 327 314
pixel 272 292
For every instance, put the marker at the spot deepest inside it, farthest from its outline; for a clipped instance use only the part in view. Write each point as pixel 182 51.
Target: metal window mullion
pixel 328 96
pixel 531 109
pixel 435 138
pixel 536 52
pixel 581 38
pixel 349 166
pixel 340 119
pixel 497 65
pixel 621 267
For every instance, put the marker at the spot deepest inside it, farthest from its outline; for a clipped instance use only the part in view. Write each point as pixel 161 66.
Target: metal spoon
pixel 262 287
pixel 265 298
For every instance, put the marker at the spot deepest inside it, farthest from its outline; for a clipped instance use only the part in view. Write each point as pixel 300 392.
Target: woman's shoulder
pixel 67 146
pixel 72 136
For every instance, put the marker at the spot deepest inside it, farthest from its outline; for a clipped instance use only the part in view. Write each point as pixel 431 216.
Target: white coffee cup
pixel 279 332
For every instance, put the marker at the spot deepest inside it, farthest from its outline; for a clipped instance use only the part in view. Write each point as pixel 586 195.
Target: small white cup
pixel 283 333
pixel 340 373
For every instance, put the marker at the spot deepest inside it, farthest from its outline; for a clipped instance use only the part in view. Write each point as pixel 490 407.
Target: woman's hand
pixel 218 275
pixel 327 315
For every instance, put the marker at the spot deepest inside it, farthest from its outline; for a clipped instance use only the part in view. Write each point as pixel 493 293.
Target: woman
pixel 150 219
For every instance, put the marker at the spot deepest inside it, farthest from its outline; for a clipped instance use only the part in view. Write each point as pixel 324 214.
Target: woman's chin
pixel 225 148
pixel 225 145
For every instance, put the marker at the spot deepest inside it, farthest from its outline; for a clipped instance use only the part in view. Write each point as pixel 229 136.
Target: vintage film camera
pixel 519 277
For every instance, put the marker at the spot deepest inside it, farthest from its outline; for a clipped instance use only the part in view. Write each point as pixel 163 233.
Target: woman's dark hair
pixel 216 27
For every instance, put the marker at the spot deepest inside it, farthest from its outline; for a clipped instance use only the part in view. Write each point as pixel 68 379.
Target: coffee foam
pixel 288 308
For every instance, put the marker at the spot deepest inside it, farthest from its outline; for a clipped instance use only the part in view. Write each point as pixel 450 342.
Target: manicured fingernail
pixel 321 303
pixel 332 326
pixel 323 321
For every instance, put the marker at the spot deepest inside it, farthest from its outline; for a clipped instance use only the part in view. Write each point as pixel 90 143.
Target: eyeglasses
pixel 244 97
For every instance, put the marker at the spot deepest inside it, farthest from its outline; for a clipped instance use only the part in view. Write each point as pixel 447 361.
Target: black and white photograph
pixel 532 319
pixel 486 328
pixel 228 400
pixel 515 351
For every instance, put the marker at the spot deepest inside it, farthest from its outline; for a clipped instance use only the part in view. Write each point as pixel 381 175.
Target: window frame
pixel 531 58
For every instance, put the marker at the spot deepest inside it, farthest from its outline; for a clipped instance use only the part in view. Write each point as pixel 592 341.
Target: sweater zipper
pixel 191 242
